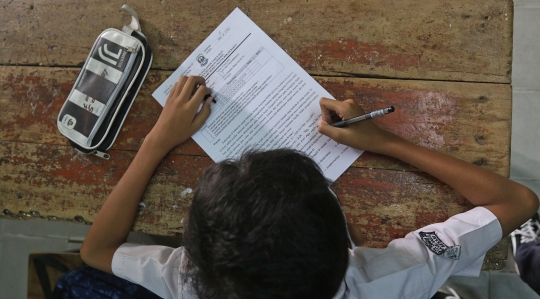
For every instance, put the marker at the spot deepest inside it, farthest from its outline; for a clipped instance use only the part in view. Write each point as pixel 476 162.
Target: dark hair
pixel 265 226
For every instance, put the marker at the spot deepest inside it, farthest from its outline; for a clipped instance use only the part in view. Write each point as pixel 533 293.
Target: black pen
pixel 376 113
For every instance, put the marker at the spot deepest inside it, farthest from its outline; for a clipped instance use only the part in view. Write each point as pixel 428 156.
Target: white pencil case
pixel 105 89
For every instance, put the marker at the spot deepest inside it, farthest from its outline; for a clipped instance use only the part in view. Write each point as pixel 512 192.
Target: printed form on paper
pixel 264 99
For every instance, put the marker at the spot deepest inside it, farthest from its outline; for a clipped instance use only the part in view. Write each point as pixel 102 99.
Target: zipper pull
pixel 132 49
pixel 102 155
pixel 134 25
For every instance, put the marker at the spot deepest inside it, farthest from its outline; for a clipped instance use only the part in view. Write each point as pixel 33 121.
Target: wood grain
pixel 468 120
pixel 55 182
pixel 44 177
pixel 444 65
pixel 457 40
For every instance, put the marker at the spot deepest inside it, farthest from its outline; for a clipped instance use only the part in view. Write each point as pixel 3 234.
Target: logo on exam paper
pixel 437 246
pixel 202 60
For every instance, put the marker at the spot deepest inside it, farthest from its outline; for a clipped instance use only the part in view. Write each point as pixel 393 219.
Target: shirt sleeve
pixel 417 265
pixel 156 268
pixel 458 245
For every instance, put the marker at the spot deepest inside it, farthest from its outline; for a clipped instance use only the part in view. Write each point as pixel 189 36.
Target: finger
pixel 197 99
pixel 202 116
pixel 325 113
pixel 333 106
pixel 190 85
pixel 356 234
pixel 175 90
pixel 171 94
pixel 179 86
pixel 324 128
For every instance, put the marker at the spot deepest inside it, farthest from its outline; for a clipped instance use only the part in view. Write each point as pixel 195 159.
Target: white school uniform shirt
pixel 412 267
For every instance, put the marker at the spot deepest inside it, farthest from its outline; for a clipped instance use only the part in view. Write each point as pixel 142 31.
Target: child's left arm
pixel 177 122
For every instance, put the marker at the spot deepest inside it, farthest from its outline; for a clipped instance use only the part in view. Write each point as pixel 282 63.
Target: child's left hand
pixel 179 118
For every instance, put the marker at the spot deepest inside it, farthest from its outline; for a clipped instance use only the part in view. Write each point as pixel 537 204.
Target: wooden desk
pixel 445 66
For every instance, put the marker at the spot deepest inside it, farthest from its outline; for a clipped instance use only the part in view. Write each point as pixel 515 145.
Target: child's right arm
pixel 512 203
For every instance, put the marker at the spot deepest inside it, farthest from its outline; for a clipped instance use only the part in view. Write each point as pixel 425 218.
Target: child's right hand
pixel 512 203
pixel 364 135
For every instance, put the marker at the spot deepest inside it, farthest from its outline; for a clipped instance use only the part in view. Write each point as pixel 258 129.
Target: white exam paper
pixel 264 99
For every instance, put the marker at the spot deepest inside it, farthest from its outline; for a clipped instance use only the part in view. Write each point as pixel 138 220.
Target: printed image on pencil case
pixel 101 79
pixel 105 88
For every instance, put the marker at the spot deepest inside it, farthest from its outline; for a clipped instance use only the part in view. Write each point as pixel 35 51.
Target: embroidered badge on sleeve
pixel 437 246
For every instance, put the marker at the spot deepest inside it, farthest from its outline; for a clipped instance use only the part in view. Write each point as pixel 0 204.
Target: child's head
pixel 266 226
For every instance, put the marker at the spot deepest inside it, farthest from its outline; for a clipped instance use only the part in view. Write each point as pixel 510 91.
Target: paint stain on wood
pixel 421 114
pixel 351 51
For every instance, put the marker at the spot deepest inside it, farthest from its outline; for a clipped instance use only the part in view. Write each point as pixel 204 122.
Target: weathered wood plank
pixel 55 182
pixel 31 98
pixel 468 120
pixel 458 40
pixel 41 176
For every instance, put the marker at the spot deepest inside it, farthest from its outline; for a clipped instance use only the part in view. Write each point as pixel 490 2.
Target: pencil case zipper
pixel 123 78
